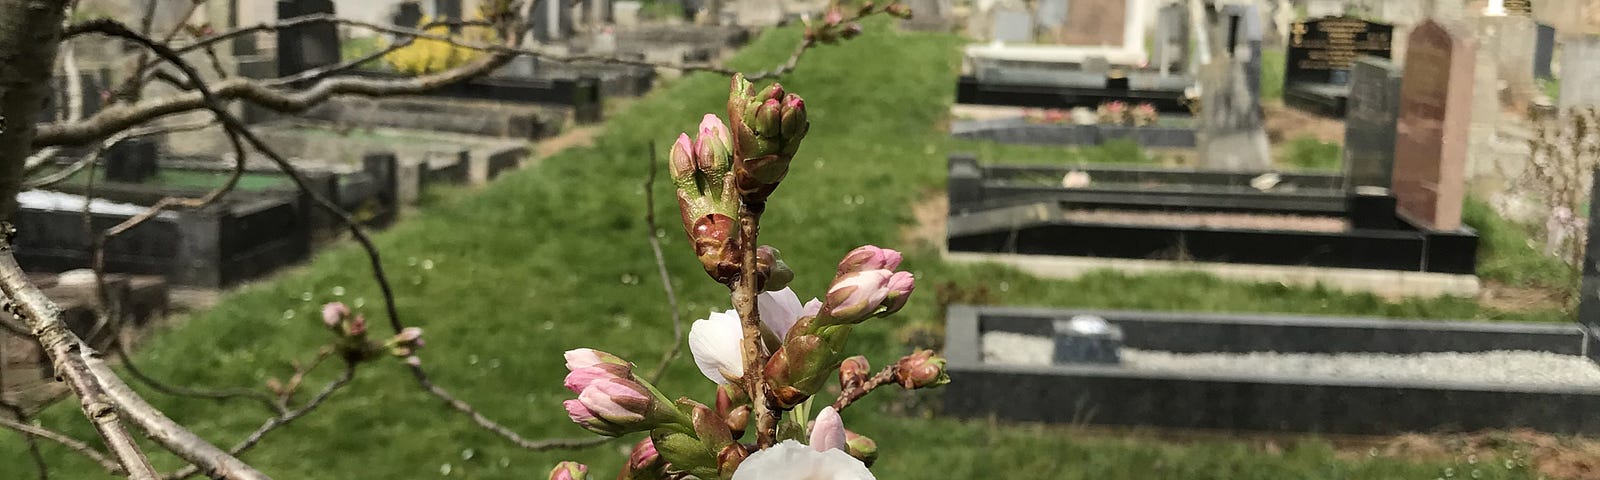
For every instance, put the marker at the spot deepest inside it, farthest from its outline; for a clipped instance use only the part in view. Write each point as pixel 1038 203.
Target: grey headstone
pixel 1324 8
pixel 1231 134
pixel 1580 73
pixel 1370 121
pixel 306 46
pixel 1172 39
pixel 1051 13
pixel 447 9
pixel 1013 25
pixel 1544 50
pixel 552 21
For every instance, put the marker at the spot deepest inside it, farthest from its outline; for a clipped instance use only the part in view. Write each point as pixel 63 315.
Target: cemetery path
pixel 580 136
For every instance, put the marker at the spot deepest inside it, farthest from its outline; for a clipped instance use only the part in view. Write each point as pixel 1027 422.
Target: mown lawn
pixel 554 257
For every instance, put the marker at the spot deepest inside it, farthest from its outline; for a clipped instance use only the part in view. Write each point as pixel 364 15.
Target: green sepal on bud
pixel 861 447
pixel 685 452
pixel 773 273
pixel 767 127
pixel 710 427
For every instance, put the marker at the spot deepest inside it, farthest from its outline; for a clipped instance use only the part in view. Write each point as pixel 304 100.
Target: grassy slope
pixel 553 258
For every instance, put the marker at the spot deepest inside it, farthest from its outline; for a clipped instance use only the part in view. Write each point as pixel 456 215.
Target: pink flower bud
pixel 922 369
pixel 834 16
pixel 409 335
pixel 588 357
pixel 358 326
pixel 569 471
pixel 855 296
pixel 681 159
pixel 793 117
pixel 617 400
pixel 900 286
pixel 644 455
pixel 853 371
pixel 861 447
pixel 585 418
pixel 333 313
pixel 869 257
pixel 828 431
pixel 772 92
pixel 768 118
pixel 581 378
pixel 713 146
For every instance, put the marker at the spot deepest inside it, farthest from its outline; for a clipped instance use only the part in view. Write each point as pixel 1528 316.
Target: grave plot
pixel 1102 58
pixel 1268 373
pixel 1320 55
pixel 1281 227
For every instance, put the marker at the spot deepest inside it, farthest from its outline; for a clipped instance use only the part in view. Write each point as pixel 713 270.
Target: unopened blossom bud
pixel 617 400
pixel 728 396
pixel 589 357
pixel 861 447
pixel 645 457
pixel 899 287
pixel 682 160
pixel 767 119
pixel 729 459
pixel 333 313
pixel 899 10
pixel 828 431
pixel 775 274
pixel 715 244
pixel 713 147
pixel 855 296
pixel 922 369
pixel 356 326
pixel 738 419
pixel 869 257
pixel 587 419
pixel 711 428
pixel 798 369
pixel 793 120
pixel 866 8
pixel 833 16
pixel 764 144
pixel 853 372
pixel 406 342
pixel 581 378
pixel 570 471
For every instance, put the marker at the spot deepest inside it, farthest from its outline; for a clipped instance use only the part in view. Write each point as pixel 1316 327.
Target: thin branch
pixel 58 176
pixel 280 420
pixel 498 429
pixel 73 444
pixel 661 267
pixel 183 391
pixel 16 411
pixel 71 358
pixel 851 393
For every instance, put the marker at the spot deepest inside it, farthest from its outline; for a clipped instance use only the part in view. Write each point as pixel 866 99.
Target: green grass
pixel 1272 63
pixel 1307 153
pixel 554 257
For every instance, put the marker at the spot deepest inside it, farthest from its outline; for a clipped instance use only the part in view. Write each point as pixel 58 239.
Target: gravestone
pixel 1049 14
pixel 131 160
pixel 447 9
pixel 930 15
pixel 1370 121
pixel 1589 294
pixel 1323 50
pixel 1012 25
pixel 1231 136
pixel 1242 41
pixel 1511 48
pixel 1520 8
pixel 1172 39
pixel 1435 113
pixel 552 22
pixel 1580 73
pixel 1094 22
pixel 407 14
pixel 597 12
pixel 309 45
pixel 1320 54
pixel 1544 50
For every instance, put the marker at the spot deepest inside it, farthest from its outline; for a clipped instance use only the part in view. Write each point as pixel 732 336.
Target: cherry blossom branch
pixel 280 420
pixel 498 429
pixel 35 432
pixel 71 358
pixel 850 393
pixel 661 267
pixel 183 391
pixel 744 301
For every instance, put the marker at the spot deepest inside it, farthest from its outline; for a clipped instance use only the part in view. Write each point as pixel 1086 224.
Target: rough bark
pixel 29 30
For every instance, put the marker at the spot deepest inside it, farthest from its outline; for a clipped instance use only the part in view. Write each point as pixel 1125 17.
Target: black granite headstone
pixel 1323 50
pixel 1589 294
pixel 1544 50
pixel 1086 339
pixel 131 160
pixel 408 14
pixel 1372 114
pixel 309 45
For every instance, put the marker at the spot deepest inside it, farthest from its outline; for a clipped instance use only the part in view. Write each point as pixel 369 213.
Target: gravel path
pixel 1521 368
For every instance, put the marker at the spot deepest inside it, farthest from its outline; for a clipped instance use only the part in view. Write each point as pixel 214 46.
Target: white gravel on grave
pixel 48 200
pixel 1519 368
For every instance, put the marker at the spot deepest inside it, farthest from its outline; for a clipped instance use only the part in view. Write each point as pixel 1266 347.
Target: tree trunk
pixel 29 36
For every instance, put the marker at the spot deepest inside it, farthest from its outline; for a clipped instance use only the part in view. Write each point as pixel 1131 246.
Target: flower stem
pixel 744 300
pixel 855 392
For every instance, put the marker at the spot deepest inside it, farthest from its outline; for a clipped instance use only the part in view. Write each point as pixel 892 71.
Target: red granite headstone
pixel 1435 110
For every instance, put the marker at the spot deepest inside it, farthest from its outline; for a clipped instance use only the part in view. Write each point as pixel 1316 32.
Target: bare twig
pixel 498 429
pixel 17 413
pixel 185 391
pixel 280 420
pixel 661 267
pixel 71 358
pixel 851 393
pixel 73 444
pixel 55 177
